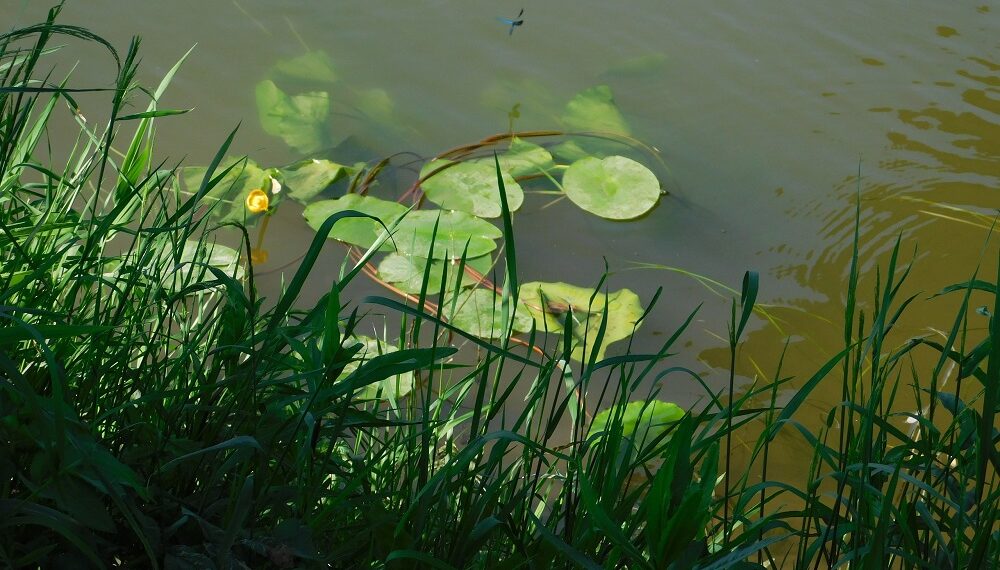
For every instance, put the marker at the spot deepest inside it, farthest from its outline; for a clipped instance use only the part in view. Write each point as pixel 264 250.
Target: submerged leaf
pixel 310 66
pixel 300 120
pixel 361 232
pixel 616 187
pixel 470 187
pixel 306 179
pixel 549 303
pixel 406 272
pixel 480 313
pixel 642 421
pixel 594 109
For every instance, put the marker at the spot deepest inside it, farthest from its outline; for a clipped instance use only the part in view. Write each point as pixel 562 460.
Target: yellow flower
pixel 257 201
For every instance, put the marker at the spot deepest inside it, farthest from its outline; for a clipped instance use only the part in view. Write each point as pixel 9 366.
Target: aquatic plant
pixel 155 411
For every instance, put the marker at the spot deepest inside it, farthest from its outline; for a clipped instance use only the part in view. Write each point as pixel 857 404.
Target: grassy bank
pixel 155 411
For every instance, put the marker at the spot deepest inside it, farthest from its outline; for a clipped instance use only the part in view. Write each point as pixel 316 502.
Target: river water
pixel 764 111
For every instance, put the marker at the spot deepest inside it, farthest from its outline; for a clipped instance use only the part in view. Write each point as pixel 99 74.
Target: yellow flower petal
pixel 257 201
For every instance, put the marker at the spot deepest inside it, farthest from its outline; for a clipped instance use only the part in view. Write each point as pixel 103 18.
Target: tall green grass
pixel 156 412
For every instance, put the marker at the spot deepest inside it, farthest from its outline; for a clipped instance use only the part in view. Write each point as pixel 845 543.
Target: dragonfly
pixel 513 22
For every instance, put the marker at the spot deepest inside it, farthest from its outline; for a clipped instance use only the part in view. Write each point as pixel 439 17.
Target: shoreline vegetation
pixel 157 412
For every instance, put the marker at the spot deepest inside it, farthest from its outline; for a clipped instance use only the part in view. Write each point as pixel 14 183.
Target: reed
pixel 155 411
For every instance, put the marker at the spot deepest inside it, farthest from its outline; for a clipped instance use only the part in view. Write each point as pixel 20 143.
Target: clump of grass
pixel 156 412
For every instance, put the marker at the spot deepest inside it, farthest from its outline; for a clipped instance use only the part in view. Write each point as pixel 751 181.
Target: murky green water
pixel 763 110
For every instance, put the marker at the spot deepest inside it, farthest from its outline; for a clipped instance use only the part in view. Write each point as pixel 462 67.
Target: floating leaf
pixel 306 179
pixel 616 187
pixel 523 158
pixel 361 232
pixel 406 272
pixel 479 312
pixel 310 66
pixel 550 302
pixel 299 120
pixel 391 388
pixel 232 189
pixel 415 232
pixel 470 187
pixel 642 421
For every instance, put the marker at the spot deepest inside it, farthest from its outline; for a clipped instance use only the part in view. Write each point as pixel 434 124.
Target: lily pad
pixel 479 312
pixel 306 179
pixel 615 187
pixel 642 421
pixel 300 120
pixel 391 388
pixel 415 232
pixel 310 66
pixel 470 187
pixel 549 303
pixel 361 232
pixel 406 272
pixel 523 158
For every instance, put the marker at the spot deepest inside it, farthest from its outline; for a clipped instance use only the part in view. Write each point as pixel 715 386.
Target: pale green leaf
pixel 615 187
pixel 549 303
pixel 470 187
pixel 300 120
pixel 361 232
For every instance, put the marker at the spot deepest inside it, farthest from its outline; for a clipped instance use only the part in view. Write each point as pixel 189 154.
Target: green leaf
pixel 406 272
pixel 48 332
pixel 300 120
pixel 479 313
pixel 470 187
pixel 232 189
pixel 594 109
pixel 190 268
pixel 306 179
pixel 616 187
pixel 549 303
pixel 310 66
pixel 416 231
pixel 238 442
pixel 643 421
pixel 392 387
pixel 524 158
pixel 361 232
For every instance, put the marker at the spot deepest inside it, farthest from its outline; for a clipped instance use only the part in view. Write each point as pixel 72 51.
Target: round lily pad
pixel 480 313
pixel 416 231
pixel 361 232
pixel 470 187
pixel 615 187
pixel 406 272
pixel 550 303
